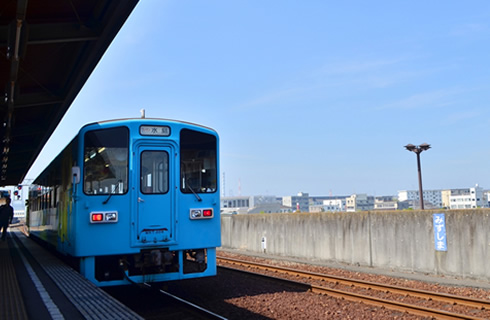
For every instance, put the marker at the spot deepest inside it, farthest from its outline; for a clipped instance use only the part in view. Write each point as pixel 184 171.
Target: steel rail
pixel 390 304
pixel 427 295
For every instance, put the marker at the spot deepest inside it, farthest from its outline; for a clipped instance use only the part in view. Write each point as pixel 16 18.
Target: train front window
pixel 154 172
pixel 106 161
pixel 198 156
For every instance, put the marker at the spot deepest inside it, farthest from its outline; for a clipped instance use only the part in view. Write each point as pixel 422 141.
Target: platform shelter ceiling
pixel 48 49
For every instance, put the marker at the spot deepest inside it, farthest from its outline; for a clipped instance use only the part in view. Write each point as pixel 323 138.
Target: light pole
pixel 418 150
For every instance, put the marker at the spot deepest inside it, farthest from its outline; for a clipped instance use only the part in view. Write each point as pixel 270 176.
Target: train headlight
pixel 201 214
pixel 111 216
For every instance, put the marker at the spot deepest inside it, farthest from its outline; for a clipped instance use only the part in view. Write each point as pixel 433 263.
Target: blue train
pixel 133 200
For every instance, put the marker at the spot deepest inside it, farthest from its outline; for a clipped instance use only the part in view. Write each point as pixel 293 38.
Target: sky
pixel 311 96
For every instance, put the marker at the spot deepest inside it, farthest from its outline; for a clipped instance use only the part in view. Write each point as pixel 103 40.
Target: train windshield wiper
pixel 192 190
pixel 110 195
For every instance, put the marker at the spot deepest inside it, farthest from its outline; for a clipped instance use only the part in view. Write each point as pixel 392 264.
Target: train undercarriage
pixel 150 262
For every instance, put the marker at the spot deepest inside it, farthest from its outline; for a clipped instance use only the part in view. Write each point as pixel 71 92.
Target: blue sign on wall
pixel 440 231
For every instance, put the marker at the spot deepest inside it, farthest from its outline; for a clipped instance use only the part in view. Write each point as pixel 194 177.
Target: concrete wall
pixel 398 240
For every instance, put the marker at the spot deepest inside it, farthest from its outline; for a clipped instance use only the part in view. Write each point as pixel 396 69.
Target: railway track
pixel 368 292
pixel 194 309
pixel 155 304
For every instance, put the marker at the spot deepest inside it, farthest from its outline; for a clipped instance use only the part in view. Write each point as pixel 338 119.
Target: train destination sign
pixel 162 131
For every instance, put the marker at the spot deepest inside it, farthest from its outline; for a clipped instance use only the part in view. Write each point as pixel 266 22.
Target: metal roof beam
pixel 36 99
pixel 61 33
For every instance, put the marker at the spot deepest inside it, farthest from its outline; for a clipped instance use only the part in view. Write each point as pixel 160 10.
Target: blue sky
pixel 313 96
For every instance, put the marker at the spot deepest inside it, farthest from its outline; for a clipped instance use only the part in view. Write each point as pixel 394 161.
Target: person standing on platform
pixel 6 216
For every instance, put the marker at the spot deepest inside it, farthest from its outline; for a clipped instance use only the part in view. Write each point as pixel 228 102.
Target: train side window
pixel 154 172
pixel 198 162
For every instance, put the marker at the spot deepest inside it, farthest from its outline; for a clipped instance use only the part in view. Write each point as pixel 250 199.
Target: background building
pixel 433 198
pixel 299 202
pixel 359 202
pixel 332 205
pixel 270 208
pixel 468 198
pixel 256 201
pixel 239 204
pixel 385 203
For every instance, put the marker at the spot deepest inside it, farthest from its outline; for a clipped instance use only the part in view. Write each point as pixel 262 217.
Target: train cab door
pixel 153 174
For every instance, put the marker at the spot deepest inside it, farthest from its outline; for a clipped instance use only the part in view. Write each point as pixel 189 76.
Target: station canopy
pixel 48 49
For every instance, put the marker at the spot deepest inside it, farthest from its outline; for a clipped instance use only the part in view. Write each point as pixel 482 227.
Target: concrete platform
pixel 34 284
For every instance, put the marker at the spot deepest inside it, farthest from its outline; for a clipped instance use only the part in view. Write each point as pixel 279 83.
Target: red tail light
pixel 97 216
pixel 201 214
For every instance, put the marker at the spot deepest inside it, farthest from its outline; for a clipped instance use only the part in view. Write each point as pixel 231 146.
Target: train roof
pixel 141 120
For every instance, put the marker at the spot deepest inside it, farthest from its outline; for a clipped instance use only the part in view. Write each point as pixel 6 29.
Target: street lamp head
pixel 410 147
pixel 417 149
pixel 424 146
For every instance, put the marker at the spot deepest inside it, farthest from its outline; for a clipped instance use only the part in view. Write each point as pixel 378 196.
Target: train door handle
pixel 140 200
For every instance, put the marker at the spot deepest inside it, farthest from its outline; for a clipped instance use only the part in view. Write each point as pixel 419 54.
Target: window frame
pixel 127 155
pixel 167 186
pixel 214 160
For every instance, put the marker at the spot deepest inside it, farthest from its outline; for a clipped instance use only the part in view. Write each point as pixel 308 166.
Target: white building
pixel 235 204
pixel 468 198
pixel 432 196
pixel 331 205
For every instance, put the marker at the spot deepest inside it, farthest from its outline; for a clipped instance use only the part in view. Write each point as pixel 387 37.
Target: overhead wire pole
pixel 418 150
